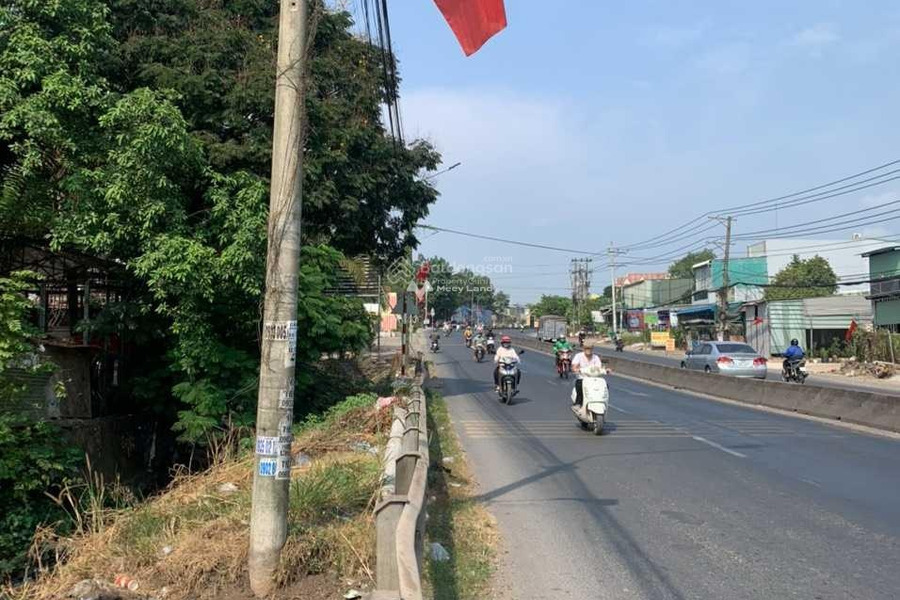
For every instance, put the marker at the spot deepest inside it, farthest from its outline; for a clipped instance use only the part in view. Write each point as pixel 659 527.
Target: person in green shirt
pixel 560 345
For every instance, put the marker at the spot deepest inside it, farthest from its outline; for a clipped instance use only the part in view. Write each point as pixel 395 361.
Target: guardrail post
pixel 387 517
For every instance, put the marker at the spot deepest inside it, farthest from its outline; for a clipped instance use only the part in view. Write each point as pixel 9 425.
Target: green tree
pixel 803 278
pixel 141 132
pixel 681 268
pixel 362 192
pixel 552 305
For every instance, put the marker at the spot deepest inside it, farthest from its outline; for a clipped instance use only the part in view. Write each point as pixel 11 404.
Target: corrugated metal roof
pixel 837 306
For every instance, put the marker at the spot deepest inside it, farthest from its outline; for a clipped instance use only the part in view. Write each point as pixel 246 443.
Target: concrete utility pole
pixel 580 273
pixel 275 407
pixel 723 291
pixel 613 252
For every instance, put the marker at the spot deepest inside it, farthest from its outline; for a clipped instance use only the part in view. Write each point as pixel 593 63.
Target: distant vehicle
pixel 726 358
pixel 795 371
pixel 551 328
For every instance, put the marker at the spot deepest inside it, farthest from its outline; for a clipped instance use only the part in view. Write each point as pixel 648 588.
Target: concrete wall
pixel 864 408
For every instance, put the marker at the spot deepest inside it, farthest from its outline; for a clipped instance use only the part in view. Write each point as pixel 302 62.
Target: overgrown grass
pixel 456 521
pixel 192 539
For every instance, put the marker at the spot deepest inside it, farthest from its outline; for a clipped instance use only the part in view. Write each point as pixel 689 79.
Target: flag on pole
pixel 473 21
pixel 851 330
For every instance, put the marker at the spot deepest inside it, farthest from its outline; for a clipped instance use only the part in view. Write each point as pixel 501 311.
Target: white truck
pixel 551 328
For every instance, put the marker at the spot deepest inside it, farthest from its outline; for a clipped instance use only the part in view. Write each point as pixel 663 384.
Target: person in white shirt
pixel 584 359
pixel 507 352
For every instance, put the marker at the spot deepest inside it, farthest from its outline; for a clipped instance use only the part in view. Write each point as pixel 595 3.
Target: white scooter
pixel 592 413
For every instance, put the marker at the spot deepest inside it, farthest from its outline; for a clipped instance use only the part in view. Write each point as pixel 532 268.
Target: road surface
pixel 772 375
pixel 683 498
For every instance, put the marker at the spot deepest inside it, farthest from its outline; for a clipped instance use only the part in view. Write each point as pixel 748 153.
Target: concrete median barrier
pixel 871 409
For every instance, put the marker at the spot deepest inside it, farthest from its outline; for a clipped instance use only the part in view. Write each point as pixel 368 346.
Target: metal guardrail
pixel 400 513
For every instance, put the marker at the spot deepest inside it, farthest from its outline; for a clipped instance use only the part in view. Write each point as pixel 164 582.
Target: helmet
pixel 794 342
pixel 505 340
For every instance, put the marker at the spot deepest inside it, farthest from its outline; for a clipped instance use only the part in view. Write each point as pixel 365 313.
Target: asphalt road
pixel 772 375
pixel 683 497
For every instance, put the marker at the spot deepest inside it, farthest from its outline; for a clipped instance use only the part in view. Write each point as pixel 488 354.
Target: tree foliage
pixel 142 132
pixel 552 305
pixel 453 288
pixel 681 268
pixel 803 278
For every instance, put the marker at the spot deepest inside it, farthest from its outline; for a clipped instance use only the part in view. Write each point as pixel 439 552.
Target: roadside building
pixel 884 294
pixel 648 293
pixel 630 278
pixel 816 322
pixel 847 257
pixel 746 276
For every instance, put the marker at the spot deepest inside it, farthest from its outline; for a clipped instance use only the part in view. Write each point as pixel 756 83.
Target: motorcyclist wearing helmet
pixel 508 353
pixel 793 353
pixel 561 345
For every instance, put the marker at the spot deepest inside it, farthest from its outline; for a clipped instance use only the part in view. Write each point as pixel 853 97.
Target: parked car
pixel 726 358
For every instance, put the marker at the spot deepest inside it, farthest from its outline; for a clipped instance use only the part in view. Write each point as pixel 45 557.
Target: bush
pixel 33 463
pixel 33 459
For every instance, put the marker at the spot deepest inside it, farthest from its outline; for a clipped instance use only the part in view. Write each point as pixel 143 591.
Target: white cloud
pixel 816 38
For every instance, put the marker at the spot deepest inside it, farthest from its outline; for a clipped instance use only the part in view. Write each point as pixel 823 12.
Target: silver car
pixel 726 358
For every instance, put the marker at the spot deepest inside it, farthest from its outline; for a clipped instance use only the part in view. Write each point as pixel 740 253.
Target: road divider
pixel 871 409
pixel 400 512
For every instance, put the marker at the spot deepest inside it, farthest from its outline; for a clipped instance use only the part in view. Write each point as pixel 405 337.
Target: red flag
pixel 423 272
pixel 851 330
pixel 473 21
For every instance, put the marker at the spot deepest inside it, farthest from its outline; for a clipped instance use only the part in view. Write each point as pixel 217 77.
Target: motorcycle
pixel 795 372
pixel 592 412
pixel 468 341
pixel 509 377
pixel 479 351
pixel 620 345
pixel 434 345
pixel 564 363
pixel 491 346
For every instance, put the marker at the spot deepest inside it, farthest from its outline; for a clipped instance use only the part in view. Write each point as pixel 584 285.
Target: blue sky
pixel 587 122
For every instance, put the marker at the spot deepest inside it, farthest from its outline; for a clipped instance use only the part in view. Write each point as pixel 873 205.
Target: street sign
pixel 432 312
pixel 412 287
pixel 411 308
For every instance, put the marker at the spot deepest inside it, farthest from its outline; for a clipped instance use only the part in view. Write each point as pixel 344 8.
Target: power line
pixel 505 241
pixel 779 230
pixel 743 207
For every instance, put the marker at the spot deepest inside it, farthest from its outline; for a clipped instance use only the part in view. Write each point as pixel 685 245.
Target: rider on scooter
pixel 793 353
pixel 505 352
pixel 561 345
pixel 584 359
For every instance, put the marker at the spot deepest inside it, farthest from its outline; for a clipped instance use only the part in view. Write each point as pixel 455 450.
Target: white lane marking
pixel 811 482
pixel 642 394
pixel 622 410
pixel 719 446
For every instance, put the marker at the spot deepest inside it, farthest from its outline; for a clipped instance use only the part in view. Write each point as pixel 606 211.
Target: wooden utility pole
pixel 275 407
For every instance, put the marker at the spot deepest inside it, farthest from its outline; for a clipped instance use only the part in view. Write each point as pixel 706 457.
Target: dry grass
pixel 191 541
